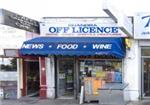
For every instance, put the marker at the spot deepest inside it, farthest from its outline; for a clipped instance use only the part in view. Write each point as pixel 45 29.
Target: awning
pixel 78 46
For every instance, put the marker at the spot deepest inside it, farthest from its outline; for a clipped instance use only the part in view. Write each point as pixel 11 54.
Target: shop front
pixel 91 72
pixel 71 62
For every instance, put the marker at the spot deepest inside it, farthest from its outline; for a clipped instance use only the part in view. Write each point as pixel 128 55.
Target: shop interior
pixel 33 80
pixel 146 76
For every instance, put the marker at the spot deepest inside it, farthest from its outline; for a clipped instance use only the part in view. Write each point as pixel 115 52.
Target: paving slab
pixel 37 101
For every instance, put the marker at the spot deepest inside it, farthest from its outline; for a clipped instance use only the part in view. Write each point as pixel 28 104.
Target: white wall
pixel 132 73
pixel 8 76
pixel 50 77
pixel 20 77
pixel 11 38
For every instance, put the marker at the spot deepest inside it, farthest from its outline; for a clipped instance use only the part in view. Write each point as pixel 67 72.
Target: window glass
pixel 145 51
pixel 8 64
pixel 107 70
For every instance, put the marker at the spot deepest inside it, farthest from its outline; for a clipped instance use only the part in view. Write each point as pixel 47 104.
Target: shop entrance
pixel 145 59
pixel 65 77
pixel 32 78
pixel 146 77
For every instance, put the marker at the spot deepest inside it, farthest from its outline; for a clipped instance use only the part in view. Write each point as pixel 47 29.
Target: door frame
pixel 74 76
pixel 142 76
pixel 26 61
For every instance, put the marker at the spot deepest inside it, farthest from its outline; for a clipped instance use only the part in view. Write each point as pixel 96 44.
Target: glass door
pixel 65 78
pixel 146 76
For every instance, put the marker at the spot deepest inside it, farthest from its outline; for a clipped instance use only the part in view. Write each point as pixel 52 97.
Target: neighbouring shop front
pixel 145 63
pixel 142 36
pixel 8 78
pixel 9 60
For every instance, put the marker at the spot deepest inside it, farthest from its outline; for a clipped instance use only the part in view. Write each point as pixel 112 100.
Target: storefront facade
pixel 84 57
pixel 77 52
pixel 80 51
pixel 142 36
pixel 14 30
pixel 9 59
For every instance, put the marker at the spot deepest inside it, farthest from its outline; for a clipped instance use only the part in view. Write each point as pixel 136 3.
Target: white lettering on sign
pixel 102 46
pixel 33 46
pixel 67 46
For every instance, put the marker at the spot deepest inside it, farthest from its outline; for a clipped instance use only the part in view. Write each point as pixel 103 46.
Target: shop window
pixel 108 70
pixel 95 73
pixel 145 51
pixel 8 64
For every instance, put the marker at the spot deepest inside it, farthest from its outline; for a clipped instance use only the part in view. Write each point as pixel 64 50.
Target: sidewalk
pixel 36 101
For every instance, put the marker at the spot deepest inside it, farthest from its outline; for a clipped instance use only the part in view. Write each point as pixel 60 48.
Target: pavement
pixel 37 101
